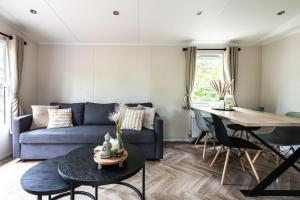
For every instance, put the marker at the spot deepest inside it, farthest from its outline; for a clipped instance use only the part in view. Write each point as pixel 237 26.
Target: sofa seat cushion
pixel 84 135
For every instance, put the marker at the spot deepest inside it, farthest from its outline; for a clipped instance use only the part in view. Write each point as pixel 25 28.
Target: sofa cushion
pixel 60 118
pixel 97 114
pixel 77 111
pixel 147 104
pixel 40 116
pixel 84 134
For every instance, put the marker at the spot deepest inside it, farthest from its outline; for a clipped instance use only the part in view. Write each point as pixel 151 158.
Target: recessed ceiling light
pixel 33 11
pixel 116 12
pixel 200 12
pixel 281 12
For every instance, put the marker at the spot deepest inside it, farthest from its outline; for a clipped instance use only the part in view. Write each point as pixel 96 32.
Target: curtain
pixel 16 57
pixel 230 68
pixel 191 55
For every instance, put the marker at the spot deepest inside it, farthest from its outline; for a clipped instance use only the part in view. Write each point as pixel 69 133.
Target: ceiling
pixel 151 21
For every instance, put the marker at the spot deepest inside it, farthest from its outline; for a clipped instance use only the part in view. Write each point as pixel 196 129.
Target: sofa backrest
pixel 148 104
pixel 94 113
pixel 77 111
pixel 98 114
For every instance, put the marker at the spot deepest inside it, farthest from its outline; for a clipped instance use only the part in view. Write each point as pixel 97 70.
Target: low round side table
pixel 78 168
pixel 43 180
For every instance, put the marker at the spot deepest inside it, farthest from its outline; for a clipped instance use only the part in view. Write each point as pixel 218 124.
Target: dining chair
pixel 243 129
pixel 231 143
pixel 206 130
pixel 283 138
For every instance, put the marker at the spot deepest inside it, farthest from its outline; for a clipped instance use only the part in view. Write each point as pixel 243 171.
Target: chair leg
pixel 225 166
pixel 233 134
pixel 241 134
pixel 205 145
pixel 277 157
pixel 214 139
pixel 197 140
pixel 252 166
pixel 277 161
pixel 293 152
pixel 241 161
pixel 216 156
pixel 256 156
pixel 247 136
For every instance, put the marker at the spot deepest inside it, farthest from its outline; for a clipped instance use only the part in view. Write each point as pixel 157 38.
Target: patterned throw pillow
pixel 40 116
pixel 60 118
pixel 133 119
pixel 148 120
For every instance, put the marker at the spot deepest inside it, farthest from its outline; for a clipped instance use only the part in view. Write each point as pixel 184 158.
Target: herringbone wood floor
pixel 180 175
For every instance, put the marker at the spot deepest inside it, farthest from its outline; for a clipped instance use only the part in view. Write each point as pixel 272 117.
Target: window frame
pixel 5 84
pixel 203 53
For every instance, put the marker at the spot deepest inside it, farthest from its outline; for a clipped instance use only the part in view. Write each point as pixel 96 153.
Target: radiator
pixel 194 130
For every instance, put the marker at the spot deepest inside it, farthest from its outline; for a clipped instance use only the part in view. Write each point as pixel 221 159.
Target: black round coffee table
pixel 43 180
pixel 78 168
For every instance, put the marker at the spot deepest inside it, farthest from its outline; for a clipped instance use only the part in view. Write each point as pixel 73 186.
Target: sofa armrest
pixel 20 124
pixel 158 129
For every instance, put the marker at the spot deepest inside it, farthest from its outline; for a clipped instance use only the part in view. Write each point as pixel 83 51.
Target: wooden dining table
pixel 252 118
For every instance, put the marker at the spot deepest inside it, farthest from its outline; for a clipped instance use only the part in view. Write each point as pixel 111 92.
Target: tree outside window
pixel 209 66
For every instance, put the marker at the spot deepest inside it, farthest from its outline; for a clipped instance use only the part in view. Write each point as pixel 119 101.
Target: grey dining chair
pixel 206 130
pixel 280 137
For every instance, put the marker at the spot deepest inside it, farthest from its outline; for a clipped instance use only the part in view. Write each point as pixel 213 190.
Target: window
pixel 209 66
pixel 3 82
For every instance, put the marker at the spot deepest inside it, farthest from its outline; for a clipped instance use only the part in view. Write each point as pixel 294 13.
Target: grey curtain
pixel 16 57
pixel 191 55
pixel 231 67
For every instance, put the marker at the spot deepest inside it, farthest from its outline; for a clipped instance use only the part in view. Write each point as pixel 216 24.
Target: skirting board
pixel 5 156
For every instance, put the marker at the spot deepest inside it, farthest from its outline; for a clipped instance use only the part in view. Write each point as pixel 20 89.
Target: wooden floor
pixel 180 175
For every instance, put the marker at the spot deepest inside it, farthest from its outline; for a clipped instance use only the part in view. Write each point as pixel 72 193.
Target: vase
pixel 229 102
pixel 120 142
pixel 221 103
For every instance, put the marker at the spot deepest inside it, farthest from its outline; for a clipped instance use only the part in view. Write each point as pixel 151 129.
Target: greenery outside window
pixel 209 66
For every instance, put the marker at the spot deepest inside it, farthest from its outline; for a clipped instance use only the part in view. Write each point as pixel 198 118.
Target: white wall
pixel 116 74
pixel 248 88
pixel 28 90
pixel 132 74
pixel 281 75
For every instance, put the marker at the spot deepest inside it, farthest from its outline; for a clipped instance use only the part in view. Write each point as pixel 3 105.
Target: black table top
pixel 79 167
pixel 43 179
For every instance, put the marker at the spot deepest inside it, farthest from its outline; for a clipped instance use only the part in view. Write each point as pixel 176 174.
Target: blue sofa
pixel 90 122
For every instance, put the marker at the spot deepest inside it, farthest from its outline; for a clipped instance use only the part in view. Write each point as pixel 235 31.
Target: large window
pixel 209 67
pixel 3 82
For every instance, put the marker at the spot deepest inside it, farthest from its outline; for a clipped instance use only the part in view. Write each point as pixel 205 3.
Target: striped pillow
pixel 60 118
pixel 133 119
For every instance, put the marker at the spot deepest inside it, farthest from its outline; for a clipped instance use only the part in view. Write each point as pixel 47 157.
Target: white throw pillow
pixel 133 119
pixel 121 109
pixel 60 118
pixel 40 116
pixel 148 120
